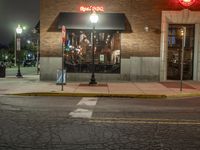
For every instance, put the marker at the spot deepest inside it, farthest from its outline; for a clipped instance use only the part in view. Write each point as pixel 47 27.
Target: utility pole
pixel 183 34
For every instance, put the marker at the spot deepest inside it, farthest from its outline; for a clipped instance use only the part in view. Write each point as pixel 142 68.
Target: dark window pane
pixel 174 52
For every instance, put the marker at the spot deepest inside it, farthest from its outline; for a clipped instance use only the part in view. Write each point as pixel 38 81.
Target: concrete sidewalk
pixel 32 86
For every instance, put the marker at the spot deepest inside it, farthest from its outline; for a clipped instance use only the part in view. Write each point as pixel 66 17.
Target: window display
pixel 78 52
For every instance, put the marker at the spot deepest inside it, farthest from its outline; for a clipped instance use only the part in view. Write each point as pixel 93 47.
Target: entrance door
pixel 174 52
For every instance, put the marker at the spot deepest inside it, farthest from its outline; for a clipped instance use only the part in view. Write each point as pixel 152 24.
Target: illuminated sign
pixel 187 3
pixel 92 8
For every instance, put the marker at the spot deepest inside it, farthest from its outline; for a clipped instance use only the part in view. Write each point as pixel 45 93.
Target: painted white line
pixel 81 113
pixel 144 122
pixel 88 101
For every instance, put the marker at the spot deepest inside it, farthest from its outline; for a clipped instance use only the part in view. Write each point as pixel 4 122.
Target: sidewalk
pixel 31 86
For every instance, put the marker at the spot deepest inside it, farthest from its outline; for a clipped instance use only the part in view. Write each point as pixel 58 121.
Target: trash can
pixel 2 70
pixel 59 76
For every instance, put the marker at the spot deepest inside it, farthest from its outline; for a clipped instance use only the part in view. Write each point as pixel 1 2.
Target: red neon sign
pixel 92 8
pixel 187 3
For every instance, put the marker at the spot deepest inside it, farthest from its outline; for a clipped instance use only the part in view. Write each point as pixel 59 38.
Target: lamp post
pixel 93 19
pixel 18 48
pixel 15 40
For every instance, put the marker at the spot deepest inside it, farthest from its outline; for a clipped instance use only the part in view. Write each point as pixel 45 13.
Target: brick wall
pixel 138 12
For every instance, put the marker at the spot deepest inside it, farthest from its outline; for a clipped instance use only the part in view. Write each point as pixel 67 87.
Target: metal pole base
pixel 19 75
pixel 92 80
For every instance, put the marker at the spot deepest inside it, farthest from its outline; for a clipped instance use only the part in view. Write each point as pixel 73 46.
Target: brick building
pixel 135 39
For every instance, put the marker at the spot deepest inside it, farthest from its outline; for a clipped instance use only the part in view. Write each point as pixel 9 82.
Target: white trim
pixel 178 17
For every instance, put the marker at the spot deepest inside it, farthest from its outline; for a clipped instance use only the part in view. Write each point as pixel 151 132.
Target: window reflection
pixel 78 52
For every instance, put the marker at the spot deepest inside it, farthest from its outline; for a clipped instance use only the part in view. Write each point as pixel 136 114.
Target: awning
pixel 80 21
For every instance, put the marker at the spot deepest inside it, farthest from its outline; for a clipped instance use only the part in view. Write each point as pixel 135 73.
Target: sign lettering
pixel 92 8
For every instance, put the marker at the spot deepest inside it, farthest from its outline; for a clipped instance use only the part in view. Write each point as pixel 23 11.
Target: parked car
pixel 29 63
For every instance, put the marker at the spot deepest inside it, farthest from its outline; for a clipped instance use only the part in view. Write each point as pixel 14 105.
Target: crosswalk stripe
pixel 81 113
pixel 84 113
pixel 88 101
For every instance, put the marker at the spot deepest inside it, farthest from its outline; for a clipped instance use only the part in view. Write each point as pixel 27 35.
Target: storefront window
pixel 174 52
pixel 78 52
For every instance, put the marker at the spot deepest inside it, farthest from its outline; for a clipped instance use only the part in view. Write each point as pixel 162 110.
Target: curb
pixel 92 95
pixel 145 96
pixel 184 95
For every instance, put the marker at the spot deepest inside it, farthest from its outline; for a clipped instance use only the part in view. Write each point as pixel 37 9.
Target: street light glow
pixel 28 41
pixel 94 17
pixel 24 27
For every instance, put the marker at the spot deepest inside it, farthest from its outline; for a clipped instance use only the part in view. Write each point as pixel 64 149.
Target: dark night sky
pixel 14 12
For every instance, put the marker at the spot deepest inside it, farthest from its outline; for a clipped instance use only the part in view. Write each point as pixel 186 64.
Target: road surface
pixel 80 123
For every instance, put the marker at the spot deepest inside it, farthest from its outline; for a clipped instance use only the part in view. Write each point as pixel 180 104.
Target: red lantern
pixel 187 3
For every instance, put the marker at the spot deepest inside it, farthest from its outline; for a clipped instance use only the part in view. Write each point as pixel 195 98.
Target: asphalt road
pixel 62 123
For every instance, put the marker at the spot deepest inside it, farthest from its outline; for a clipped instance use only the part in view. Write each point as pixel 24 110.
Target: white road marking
pixel 143 121
pixel 81 113
pixel 84 113
pixel 88 101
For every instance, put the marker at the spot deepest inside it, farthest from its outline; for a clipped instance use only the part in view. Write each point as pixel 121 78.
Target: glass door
pixel 174 52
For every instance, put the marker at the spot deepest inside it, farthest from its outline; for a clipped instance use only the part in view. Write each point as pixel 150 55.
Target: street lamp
pixel 93 19
pixel 18 48
pixel 15 35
